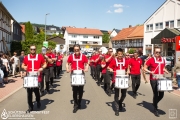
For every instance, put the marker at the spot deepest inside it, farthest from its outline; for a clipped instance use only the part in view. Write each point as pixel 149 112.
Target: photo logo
pixel 4 115
pixel 172 113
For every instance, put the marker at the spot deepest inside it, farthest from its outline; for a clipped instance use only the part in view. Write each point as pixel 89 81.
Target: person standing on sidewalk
pixel 21 59
pixel 77 61
pixel 134 68
pixel 120 64
pixel 177 72
pixel 33 63
pixel 157 67
pixel 15 61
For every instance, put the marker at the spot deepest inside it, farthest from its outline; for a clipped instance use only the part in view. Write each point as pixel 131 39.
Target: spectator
pixel 5 62
pixel 21 59
pixel 177 71
pixel 15 61
pixel 1 71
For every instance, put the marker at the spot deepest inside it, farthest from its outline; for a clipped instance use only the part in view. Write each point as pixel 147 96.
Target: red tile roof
pixel 130 33
pixel 84 31
pixel 23 28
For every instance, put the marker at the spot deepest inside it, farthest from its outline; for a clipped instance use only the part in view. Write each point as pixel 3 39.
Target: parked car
pixel 168 62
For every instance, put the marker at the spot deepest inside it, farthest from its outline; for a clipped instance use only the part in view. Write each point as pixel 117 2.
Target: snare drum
pixel 30 82
pixel 121 82
pixel 165 85
pixel 77 80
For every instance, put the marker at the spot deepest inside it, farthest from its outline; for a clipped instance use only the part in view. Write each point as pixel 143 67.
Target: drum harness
pixel 32 61
pixel 120 63
pixel 77 65
pixel 159 65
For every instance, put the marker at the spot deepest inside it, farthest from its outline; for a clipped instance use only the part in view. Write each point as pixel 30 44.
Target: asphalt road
pixel 96 105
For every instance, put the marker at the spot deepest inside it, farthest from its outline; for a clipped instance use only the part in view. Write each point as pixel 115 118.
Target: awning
pixel 167 33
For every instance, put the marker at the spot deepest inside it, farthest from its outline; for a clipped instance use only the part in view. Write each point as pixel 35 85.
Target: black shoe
pixel 79 106
pixel 41 93
pixel 38 105
pixel 98 83
pixel 109 94
pixel 156 113
pixel 48 92
pixel 117 113
pixel 120 106
pixel 29 110
pixel 51 86
pixel 75 110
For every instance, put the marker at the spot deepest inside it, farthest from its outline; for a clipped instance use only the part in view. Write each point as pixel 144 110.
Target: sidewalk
pixel 175 86
pixel 14 85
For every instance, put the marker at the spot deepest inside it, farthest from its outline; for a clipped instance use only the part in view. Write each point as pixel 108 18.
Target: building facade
pixel 17 31
pixel 166 16
pixel 129 38
pixel 89 39
pixel 51 29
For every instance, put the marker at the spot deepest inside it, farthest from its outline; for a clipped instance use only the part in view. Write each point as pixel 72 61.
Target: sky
pixel 100 14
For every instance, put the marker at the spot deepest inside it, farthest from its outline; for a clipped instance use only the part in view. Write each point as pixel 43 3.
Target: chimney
pixel 130 26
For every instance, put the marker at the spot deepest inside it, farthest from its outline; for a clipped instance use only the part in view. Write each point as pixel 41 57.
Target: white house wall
pixel 169 11
pixel 113 34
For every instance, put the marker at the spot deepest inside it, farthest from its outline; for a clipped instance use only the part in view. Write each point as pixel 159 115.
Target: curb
pixel 10 94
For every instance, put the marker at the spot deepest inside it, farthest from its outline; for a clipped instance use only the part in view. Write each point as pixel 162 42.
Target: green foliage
pixel 16 46
pixel 28 31
pixel 105 38
pixel 131 51
pixel 61 35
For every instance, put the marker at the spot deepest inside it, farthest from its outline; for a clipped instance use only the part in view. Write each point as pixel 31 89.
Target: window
pixel 74 36
pixel 95 42
pixel 73 42
pixel 96 37
pixel 178 23
pixel 52 28
pixel 149 27
pixel 170 24
pixel 85 36
pixel 159 26
pixel 84 42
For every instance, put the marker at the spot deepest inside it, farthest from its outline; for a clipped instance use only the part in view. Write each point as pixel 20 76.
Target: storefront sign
pixel 177 43
pixel 168 40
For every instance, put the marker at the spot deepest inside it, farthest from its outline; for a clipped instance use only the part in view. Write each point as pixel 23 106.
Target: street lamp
pixel 45 24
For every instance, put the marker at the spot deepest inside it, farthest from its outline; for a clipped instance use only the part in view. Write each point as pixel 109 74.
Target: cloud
pixel 109 11
pixel 117 5
pixel 119 10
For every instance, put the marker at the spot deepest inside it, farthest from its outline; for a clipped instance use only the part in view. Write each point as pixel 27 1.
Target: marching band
pixel 116 69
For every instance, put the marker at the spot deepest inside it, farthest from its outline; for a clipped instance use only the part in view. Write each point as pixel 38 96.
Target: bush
pixel 131 51
pixel 16 46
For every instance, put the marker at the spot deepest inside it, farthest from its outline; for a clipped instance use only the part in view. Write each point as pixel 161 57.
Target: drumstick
pixel 156 68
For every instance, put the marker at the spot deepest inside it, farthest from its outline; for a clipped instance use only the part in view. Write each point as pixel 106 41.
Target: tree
pixel 105 38
pixel 28 31
pixel 131 51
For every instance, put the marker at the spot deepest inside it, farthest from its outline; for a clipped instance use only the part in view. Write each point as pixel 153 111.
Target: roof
pixel 109 32
pixel 84 31
pixel 52 26
pixel 117 30
pixel 57 40
pixel 23 28
pixel 166 33
pixel 130 33
pixel 3 7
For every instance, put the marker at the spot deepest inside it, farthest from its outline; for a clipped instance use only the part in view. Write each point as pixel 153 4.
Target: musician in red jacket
pixel 157 67
pixel 77 61
pixel 59 63
pixel 121 64
pixel 33 63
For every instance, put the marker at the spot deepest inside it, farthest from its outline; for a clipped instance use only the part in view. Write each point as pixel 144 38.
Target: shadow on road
pixel 44 104
pixel 112 105
pixel 150 107
pixel 53 90
pixel 84 103
pixel 56 85
pixel 131 93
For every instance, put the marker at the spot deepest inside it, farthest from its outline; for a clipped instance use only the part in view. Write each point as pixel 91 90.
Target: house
pixel 7 31
pixel 51 29
pixel 60 43
pixel 164 23
pixel 16 30
pixel 89 39
pixel 23 31
pixel 112 35
pixel 127 38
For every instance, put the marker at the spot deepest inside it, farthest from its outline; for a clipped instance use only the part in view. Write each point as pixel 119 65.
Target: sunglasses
pixel 33 49
pixel 158 52
pixel 127 55
pixel 110 51
pixel 76 50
